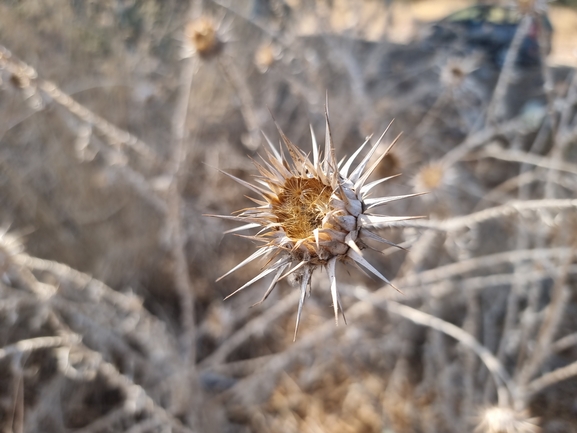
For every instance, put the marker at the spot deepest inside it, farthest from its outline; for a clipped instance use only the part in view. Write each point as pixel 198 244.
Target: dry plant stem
pixel 471 326
pixel 247 108
pixel 481 137
pixel 97 288
pixel 281 361
pixel 553 315
pixel 499 194
pixel 343 57
pixel 137 392
pixel 105 422
pixel 565 343
pixel 33 203
pixel 440 363
pixel 560 145
pixel 476 218
pixel 32 344
pixel 419 253
pixel 256 325
pixel 17 419
pixel 530 159
pixel 517 286
pixel 178 238
pixel 494 111
pixel 549 379
pixel 548 86
pixel 148 425
pixel 480 283
pixel 115 135
pixel 443 273
pixel 137 398
pixel 505 387
pixel 430 116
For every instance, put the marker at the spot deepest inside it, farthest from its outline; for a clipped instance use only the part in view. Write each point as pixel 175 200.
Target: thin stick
pixel 553 316
pixel 505 387
pixel 178 237
pixel 32 344
pixel 115 135
pixel 258 324
pixel 476 218
pixel 494 111
pixel 549 379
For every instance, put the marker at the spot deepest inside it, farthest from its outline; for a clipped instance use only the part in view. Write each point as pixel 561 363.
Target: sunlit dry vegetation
pixel 116 119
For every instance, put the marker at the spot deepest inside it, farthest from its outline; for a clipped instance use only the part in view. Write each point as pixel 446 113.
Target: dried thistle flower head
pixel 455 71
pixel 203 36
pixel 430 177
pixel 313 214
pixel 265 56
pixel 506 420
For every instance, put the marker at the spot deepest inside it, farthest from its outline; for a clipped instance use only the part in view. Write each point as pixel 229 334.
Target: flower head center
pixel 202 34
pixel 301 207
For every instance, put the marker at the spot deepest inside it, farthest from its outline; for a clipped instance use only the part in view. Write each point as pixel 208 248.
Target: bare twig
pixel 32 344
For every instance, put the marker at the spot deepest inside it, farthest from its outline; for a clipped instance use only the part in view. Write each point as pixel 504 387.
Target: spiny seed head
pixel 202 34
pixel 430 177
pixel 456 70
pixel 265 56
pixel 506 420
pixel 313 213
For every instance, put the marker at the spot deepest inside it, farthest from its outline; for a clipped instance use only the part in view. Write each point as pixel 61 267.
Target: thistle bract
pixel 313 213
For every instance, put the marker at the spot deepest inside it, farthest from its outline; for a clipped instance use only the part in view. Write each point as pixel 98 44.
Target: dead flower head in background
pixel 202 37
pixel 312 214
pixel 506 420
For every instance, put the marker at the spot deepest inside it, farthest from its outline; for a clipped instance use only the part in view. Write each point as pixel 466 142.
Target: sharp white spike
pixel 367 234
pixel 304 282
pixel 379 201
pixel 361 167
pixel 381 220
pixel 244 227
pixel 254 280
pixel 315 148
pixel 362 261
pixel 258 253
pixel 329 157
pixel 366 188
pixel 316 234
pixel 331 271
pixel 341 308
pixel 297 267
pixel 345 170
pixel 359 183
pixel 273 149
pixel 248 185
pixel 272 284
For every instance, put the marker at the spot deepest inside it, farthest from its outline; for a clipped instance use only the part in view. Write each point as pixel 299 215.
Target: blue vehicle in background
pixel 490 30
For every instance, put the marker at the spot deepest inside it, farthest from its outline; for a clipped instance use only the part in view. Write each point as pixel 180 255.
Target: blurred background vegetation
pixel 114 124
